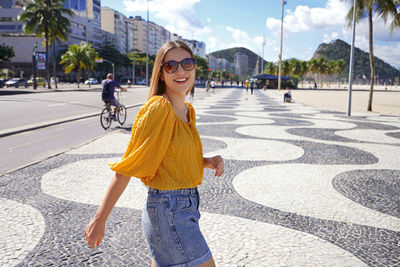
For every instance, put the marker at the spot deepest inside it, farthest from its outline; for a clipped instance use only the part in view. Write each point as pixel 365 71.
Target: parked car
pixel 141 82
pixel 39 82
pixel 92 81
pixel 16 82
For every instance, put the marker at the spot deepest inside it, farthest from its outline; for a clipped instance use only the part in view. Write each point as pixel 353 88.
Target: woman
pixel 165 153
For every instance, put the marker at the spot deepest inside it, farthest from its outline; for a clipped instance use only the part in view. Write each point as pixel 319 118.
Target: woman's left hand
pixel 215 163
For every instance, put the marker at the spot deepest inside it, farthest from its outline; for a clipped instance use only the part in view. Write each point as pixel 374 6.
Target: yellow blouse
pixel 164 151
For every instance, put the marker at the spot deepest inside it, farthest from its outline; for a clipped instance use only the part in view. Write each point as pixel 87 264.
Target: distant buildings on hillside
pixel 240 66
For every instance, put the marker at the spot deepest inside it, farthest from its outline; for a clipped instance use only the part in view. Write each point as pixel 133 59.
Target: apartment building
pixel 220 64
pixel 116 23
pixel 85 26
pixel 151 42
pixel 241 62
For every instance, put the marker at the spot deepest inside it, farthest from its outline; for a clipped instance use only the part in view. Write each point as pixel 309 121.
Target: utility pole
pixel 351 67
pixel 280 53
pixel 262 57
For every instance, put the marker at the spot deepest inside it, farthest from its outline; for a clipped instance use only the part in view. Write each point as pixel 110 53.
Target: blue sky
pixel 223 24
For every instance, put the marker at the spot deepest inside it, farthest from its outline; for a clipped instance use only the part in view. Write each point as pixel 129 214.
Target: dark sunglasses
pixel 171 66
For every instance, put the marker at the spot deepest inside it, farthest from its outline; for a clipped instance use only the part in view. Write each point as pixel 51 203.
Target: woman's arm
pixel 94 231
pixel 215 163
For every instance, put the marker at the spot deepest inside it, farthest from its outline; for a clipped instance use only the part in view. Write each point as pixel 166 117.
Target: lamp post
pixel 280 51
pixel 351 67
pixel 262 56
pixel 34 66
pixel 112 64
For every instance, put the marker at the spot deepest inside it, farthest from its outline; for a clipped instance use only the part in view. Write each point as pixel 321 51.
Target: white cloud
pixel 328 38
pixel 208 19
pixel 181 17
pixel 238 35
pixel 305 18
pixel 212 43
pixel 389 54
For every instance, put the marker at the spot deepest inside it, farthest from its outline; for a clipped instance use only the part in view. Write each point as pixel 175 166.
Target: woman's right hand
pixel 94 232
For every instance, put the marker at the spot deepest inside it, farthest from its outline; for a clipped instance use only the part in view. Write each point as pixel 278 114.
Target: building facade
pixel 241 62
pixel 151 39
pixel 116 23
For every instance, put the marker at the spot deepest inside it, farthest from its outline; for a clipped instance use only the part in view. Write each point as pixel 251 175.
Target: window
pixel 82 4
pixel 6 4
pixel 7 27
pixel 6 19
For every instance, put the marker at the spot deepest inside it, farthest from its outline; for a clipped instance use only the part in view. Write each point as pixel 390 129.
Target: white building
pixel 241 62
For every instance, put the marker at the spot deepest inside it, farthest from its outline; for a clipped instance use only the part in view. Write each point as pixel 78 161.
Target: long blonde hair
pixel 157 86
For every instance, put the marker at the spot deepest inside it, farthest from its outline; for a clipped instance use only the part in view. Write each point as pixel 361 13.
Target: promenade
pixel 303 187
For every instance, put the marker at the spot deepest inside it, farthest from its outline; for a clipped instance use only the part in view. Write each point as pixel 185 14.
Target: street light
pixel 351 60
pixel 280 53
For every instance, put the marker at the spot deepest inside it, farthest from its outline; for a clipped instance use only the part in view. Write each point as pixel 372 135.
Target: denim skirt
pixel 170 223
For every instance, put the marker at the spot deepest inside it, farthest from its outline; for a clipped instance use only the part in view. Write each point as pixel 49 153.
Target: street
pixel 37 110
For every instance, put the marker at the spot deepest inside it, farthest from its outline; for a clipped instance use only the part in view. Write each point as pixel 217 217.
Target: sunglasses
pixel 171 66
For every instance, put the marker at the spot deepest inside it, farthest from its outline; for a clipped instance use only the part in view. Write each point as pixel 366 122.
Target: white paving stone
pixel 369 135
pixel 253 149
pixel 241 242
pixel 110 143
pixel 21 229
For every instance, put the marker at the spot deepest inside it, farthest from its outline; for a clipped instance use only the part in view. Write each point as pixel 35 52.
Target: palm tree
pixel 45 19
pixel 313 67
pixel 383 9
pixel 331 65
pixel 322 68
pixel 271 68
pixel 339 68
pixel 79 57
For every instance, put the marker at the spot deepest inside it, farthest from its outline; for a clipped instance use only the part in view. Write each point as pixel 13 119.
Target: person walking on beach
pixel 213 85
pixel 246 84
pixel 208 85
pixel 251 86
pixel 165 153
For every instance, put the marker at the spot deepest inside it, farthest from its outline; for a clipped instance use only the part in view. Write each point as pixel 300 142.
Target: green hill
pixel 339 49
pixel 229 55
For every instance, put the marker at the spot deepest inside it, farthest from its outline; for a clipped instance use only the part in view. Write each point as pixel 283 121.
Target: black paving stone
pixel 375 189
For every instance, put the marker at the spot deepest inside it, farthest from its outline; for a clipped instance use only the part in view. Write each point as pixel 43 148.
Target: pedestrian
pixel 247 86
pixel 165 153
pixel 208 85
pixel 251 86
pixel 129 83
pixel 213 85
pixel 287 96
pixel 315 86
pixel 192 92
pixel 223 82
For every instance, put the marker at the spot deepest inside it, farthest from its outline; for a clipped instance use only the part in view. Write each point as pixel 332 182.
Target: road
pixel 28 147
pixel 28 109
pixel 24 110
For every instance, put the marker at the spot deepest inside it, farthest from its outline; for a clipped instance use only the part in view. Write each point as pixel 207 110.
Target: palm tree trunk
pixel 79 76
pixel 54 64
pixel 46 34
pixel 371 59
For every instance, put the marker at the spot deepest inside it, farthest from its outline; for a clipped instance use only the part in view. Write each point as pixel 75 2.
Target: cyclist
pixel 108 85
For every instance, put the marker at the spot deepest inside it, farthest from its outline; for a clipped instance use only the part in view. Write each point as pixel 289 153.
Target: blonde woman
pixel 165 152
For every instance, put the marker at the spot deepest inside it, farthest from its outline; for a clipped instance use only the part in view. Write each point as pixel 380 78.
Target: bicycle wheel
pixel 121 114
pixel 105 118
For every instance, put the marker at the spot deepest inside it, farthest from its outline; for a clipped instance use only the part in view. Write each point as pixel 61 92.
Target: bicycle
pixel 107 113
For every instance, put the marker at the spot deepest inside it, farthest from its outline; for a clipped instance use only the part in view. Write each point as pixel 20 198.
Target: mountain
pixel 229 55
pixel 339 49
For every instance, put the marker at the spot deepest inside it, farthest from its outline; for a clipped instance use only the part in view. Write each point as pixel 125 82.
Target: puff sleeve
pixel 150 138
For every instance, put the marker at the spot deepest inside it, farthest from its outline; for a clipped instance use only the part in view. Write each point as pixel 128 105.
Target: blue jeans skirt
pixel 170 224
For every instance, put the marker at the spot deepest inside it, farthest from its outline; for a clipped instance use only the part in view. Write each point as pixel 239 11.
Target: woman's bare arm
pixel 94 231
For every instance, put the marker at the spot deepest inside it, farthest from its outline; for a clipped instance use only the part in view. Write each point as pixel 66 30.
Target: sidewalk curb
pixel 31 127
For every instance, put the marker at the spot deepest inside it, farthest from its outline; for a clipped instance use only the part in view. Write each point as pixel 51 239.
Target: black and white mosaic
pixel 302 187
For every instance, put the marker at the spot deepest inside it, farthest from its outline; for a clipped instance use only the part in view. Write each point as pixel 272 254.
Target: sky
pixel 223 24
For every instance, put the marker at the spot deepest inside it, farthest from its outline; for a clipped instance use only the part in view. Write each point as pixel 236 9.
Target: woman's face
pixel 180 81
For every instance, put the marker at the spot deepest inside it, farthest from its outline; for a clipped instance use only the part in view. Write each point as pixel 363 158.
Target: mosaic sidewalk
pixel 302 187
